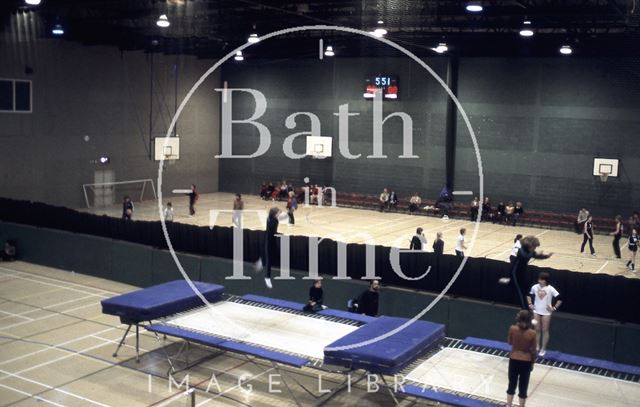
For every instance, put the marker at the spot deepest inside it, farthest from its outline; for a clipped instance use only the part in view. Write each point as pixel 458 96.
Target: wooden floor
pixel 56 349
pixel 396 229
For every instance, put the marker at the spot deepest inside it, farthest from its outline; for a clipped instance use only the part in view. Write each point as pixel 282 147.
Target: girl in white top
pixel 460 247
pixel 516 247
pixel 542 307
pixel 168 213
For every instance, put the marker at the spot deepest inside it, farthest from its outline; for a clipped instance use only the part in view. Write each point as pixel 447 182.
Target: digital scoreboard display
pixel 387 84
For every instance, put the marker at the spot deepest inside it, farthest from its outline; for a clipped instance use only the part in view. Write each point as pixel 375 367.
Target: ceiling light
pixel 32 2
pixel 57 30
pixel 441 48
pixel 239 56
pixel 329 51
pixel 526 31
pixel 163 21
pixel 474 7
pixel 379 32
pixel 253 38
pixel 566 50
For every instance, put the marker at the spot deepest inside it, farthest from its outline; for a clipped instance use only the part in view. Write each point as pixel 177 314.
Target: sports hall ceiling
pixel 211 28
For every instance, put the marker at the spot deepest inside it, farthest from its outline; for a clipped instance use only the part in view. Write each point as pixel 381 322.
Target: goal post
pixel 108 193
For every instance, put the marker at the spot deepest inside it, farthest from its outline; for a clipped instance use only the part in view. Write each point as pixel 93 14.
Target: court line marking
pixel 63 313
pixel 11 314
pixel 603 266
pixel 31 395
pixel 56 346
pixel 42 308
pixel 54 388
pixel 59 280
pixel 80 353
pixel 60 286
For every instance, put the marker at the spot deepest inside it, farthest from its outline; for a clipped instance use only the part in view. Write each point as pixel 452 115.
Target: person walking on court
pixel 418 242
pixel 193 197
pixel 292 205
pixel 617 235
pixel 633 249
pixel 546 301
pixel 583 214
pixel 238 207
pixel 515 249
pixel 127 208
pixel 168 212
pixel 522 339
pixel 588 235
pixel 460 247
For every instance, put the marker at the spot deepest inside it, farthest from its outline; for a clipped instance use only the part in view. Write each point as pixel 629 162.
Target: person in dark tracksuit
pixel 270 244
pixel 518 279
pixel 127 208
pixel 418 242
pixel 314 304
pixel 633 249
pixel 588 235
pixel 369 299
pixel 193 197
pixel 617 235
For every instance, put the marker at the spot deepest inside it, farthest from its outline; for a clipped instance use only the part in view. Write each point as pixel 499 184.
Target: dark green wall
pixel 539 123
pixel 143 266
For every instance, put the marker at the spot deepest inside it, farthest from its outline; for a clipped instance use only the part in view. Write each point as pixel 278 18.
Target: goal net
pixel 103 194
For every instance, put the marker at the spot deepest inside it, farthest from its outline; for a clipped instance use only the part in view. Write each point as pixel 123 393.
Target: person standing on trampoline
pixel 633 249
pixel 588 235
pixel 546 301
pixel 527 251
pixel 270 245
pixel 523 355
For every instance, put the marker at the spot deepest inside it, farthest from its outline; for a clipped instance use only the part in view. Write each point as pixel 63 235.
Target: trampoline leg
pixel 137 344
pixel 393 396
pixel 115 354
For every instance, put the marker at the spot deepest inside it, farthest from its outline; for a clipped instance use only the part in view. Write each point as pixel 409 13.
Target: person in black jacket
pixel 314 304
pixel 127 208
pixel 438 245
pixel 270 244
pixel 527 251
pixel 193 197
pixel 418 242
pixel 369 299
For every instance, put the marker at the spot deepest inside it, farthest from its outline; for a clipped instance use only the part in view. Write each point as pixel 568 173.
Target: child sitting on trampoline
pixel 314 304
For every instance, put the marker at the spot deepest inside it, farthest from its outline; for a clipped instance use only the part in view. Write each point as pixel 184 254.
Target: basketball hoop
pixel 604 176
pixel 168 160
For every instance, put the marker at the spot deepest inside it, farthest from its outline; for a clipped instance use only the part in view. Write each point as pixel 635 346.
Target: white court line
pixel 44 308
pixel 85 287
pixel 11 314
pixel 60 286
pixel 2 328
pixel 55 346
pixel 54 388
pixel 71 354
pixel 31 395
pixel 603 266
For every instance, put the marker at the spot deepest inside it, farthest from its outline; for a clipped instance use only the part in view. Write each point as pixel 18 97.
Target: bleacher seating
pixel 544 219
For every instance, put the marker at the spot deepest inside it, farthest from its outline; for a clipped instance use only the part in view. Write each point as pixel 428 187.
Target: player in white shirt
pixel 460 247
pixel 546 301
pixel 515 249
pixel 168 213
